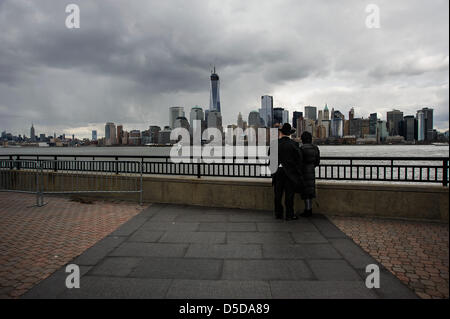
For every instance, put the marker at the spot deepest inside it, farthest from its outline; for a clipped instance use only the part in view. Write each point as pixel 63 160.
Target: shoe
pixel 292 218
pixel 306 213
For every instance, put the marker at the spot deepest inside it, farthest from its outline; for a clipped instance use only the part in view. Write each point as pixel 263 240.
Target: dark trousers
pixel 283 184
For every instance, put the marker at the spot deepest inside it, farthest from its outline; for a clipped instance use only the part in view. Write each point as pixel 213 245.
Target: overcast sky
pixel 131 60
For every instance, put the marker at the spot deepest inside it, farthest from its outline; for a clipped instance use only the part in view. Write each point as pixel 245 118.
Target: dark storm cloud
pixel 131 60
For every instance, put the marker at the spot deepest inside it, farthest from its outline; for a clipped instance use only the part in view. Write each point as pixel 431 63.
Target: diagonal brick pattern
pixel 416 252
pixel 36 241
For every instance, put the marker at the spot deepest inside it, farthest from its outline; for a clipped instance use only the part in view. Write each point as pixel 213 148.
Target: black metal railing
pixel 375 169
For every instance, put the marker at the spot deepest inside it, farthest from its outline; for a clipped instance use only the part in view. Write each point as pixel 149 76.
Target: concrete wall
pixel 346 199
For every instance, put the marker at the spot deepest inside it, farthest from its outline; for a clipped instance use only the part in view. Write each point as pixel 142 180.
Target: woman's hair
pixel 306 138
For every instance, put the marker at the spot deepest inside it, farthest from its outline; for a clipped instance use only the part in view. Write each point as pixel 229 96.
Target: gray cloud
pixel 130 61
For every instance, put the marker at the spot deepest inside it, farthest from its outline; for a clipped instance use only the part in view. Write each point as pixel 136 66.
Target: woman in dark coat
pixel 311 159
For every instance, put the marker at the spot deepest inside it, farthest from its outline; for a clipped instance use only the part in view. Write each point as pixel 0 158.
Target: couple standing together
pixel 295 173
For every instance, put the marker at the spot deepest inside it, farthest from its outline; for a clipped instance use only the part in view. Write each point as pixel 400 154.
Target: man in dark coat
pixel 288 178
pixel 311 159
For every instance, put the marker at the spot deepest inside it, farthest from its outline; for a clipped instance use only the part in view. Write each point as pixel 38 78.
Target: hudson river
pixel 326 150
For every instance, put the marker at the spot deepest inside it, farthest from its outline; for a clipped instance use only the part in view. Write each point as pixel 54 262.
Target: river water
pixel 326 150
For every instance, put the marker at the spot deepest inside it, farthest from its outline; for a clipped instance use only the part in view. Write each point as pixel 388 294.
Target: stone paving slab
pixel 178 251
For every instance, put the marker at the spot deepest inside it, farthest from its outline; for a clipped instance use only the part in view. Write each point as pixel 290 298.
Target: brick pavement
pixel 36 241
pixel 416 252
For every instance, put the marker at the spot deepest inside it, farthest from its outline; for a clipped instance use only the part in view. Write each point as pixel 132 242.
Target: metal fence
pixel 42 177
pixel 360 169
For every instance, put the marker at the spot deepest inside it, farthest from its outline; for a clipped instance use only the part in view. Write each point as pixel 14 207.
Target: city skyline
pixel 74 78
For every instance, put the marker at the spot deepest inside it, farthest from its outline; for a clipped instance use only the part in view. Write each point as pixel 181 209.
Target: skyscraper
pixel 295 116
pixel 373 120
pixel 428 118
pixel 278 115
pixel 285 116
pixel 420 126
pixel 409 127
pixel 174 113
pixel 394 120
pixel 119 134
pixel 351 114
pixel 254 119
pixel 240 121
pixel 266 111
pixel 311 112
pixel 214 104
pixel 326 113
pixel 32 133
pixel 94 135
pixel 110 133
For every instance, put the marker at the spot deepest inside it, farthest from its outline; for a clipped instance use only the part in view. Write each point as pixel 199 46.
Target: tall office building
pixel 394 120
pixel 278 116
pixel 420 126
pixel 285 116
pixel 373 120
pixel 94 135
pixel 215 120
pixel 119 134
pixel 254 120
pixel 337 124
pixel 214 104
pixel 110 133
pixel 351 114
pixel 197 114
pixel 295 116
pixel 311 113
pixel 174 113
pixel 266 111
pixel 240 121
pixel 428 120
pixel 32 133
pixel 409 128
pixel 326 113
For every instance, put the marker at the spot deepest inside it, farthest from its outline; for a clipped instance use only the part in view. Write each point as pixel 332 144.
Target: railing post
pixel 117 165
pixel 445 173
pixel 141 190
pixel 198 168
pixel 55 163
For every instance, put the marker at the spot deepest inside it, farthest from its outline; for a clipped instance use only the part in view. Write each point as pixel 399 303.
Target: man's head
pixel 286 130
pixel 306 138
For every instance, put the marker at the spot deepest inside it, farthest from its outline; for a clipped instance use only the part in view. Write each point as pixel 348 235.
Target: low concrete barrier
pixel 346 199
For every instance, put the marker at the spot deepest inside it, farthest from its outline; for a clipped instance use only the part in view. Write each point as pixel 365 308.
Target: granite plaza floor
pixel 175 251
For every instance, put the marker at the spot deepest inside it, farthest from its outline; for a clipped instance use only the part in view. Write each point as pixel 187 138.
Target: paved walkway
pixel 416 252
pixel 36 241
pixel 171 251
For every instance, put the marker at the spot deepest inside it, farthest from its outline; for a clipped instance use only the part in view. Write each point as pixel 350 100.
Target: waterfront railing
pixel 339 168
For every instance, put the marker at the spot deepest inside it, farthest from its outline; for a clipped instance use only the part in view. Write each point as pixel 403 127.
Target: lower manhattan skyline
pixel 131 68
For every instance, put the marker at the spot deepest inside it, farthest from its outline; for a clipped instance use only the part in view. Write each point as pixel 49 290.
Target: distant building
pixel 254 120
pixel 174 113
pixel 311 113
pixel 215 120
pixel 134 137
pixel 214 104
pixel 164 136
pixel 110 133
pixel 326 113
pixel 351 114
pixel 394 122
pixel 266 111
pixel 295 116
pixel 409 128
pixel 182 122
pixel 421 126
pixel 119 134
pixel 32 134
pixel 94 135
pixel 428 127
pixel 240 121
pixel 278 115
pixel 373 120
pixel 154 131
